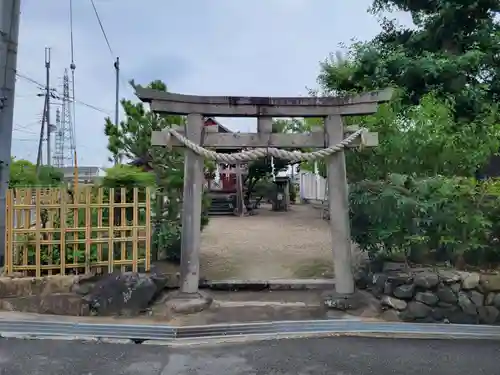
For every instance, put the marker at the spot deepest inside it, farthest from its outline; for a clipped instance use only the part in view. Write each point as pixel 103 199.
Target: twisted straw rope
pixel 251 155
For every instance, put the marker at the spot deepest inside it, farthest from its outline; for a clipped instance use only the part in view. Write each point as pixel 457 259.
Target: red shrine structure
pixel 222 185
pixel 225 180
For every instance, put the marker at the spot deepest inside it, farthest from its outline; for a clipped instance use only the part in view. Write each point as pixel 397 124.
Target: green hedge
pixel 435 219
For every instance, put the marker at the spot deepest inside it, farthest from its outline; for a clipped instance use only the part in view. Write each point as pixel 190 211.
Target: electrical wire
pixel 102 28
pixel 24 131
pixel 125 82
pixel 59 95
pixel 36 83
pixel 25 139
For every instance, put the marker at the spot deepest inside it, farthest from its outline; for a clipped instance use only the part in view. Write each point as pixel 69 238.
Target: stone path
pixel 294 244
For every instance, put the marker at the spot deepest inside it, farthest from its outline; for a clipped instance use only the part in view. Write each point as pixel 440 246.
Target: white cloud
pixel 262 47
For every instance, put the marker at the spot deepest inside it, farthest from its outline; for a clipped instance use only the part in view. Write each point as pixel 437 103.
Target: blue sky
pixel 205 47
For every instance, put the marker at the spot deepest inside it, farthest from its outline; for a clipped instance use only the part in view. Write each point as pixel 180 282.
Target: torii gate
pixel 193 135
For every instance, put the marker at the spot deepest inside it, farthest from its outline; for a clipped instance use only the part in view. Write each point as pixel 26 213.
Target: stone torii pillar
pixel 332 109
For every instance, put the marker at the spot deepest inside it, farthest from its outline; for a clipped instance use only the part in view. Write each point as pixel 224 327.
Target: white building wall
pixel 312 186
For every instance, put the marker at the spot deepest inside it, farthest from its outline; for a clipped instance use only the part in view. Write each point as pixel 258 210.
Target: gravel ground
pixel 294 244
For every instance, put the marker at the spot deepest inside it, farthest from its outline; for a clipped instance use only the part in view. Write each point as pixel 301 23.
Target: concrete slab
pixel 272 284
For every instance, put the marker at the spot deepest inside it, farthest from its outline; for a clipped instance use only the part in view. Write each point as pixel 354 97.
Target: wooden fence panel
pixel 58 231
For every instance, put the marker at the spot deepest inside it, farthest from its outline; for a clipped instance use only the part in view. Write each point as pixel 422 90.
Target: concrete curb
pixel 218 340
pixel 273 284
pixel 231 333
pixel 294 336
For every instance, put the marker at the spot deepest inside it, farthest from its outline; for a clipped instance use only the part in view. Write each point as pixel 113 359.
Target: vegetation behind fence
pixel 60 231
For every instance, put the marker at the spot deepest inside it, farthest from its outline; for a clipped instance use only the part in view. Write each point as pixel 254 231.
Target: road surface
pixel 332 356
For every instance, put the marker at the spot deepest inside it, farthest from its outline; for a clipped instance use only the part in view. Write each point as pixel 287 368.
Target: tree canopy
pixel 130 140
pixel 23 174
pixel 452 51
pixel 445 70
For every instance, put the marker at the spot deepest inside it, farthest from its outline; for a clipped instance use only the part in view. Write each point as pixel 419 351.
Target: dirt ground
pixel 294 244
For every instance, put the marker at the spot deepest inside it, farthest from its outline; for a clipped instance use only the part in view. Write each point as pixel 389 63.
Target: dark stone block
pixel 426 280
pixel 459 317
pixel 465 303
pixel 488 314
pixel 446 294
pixel 476 297
pixel 428 298
pixel 126 293
pixel 406 291
pixel 399 278
pixel 418 310
pixel 343 302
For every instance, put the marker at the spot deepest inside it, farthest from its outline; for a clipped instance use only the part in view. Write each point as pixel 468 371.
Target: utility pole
pixel 39 156
pixel 47 108
pixel 117 96
pixel 10 11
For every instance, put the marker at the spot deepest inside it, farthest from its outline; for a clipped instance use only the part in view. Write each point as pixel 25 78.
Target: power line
pixel 25 139
pixel 103 31
pixel 56 95
pixel 102 28
pixel 36 83
pixel 24 131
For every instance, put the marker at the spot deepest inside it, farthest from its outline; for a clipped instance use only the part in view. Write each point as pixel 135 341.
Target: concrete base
pixel 187 303
pixel 273 284
pixel 343 302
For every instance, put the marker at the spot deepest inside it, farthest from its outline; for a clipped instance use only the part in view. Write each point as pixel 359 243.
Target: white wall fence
pixel 312 187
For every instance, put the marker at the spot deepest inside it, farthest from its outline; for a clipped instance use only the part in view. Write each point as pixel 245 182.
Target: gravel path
pixel 294 244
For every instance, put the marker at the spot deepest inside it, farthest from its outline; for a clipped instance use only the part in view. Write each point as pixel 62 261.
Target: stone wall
pixel 427 295
pixel 111 294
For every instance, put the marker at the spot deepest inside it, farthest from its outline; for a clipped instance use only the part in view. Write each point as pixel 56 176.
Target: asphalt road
pixel 332 356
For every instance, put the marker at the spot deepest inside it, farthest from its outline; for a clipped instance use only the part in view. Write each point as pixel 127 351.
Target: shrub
pixel 432 219
pixel 168 231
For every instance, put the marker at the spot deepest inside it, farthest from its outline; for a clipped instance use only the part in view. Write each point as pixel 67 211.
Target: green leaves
pixel 159 167
pixel 432 219
pixel 23 174
pixel 128 176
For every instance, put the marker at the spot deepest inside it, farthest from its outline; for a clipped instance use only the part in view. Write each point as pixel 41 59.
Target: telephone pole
pixel 39 157
pixel 47 108
pixel 10 11
pixel 117 96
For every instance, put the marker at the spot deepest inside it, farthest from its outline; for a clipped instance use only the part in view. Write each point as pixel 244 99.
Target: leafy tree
pixel 131 139
pixel 451 51
pixel 433 219
pixel 443 121
pixel 445 67
pixel 128 177
pixel 23 174
pixel 50 176
pixel 260 171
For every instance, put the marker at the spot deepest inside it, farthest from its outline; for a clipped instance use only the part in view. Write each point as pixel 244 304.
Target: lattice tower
pixel 64 155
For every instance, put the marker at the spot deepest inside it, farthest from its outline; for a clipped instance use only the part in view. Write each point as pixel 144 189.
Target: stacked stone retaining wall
pixel 427 295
